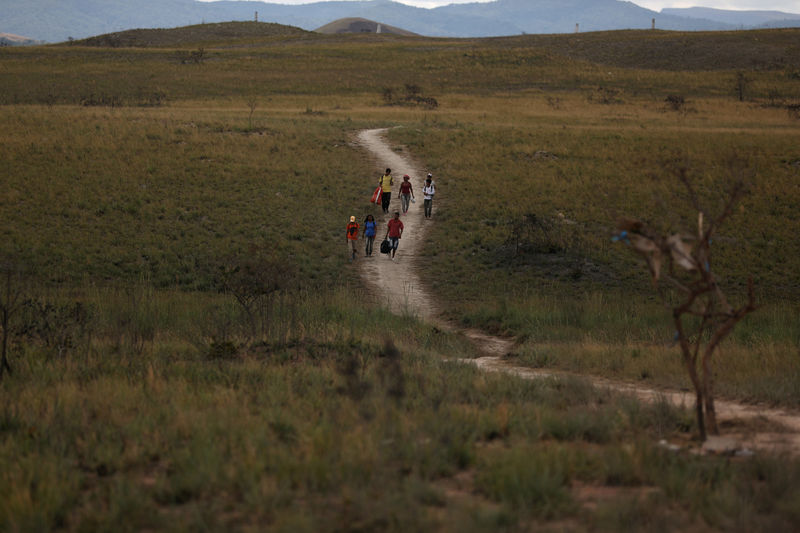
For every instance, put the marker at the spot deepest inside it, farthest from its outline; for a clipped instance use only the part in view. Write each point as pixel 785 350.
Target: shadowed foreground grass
pixel 355 421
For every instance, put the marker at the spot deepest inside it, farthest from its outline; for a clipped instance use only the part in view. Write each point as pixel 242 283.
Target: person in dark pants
pixel 427 193
pixel 386 181
pixel 370 228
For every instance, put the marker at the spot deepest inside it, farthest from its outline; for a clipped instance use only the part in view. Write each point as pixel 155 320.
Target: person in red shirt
pixel 352 237
pixel 394 232
pixel 406 193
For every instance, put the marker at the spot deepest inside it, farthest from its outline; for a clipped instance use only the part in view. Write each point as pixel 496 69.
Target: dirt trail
pixel 398 284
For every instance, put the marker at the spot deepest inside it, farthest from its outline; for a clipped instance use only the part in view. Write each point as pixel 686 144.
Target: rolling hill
pixel 192 35
pixel 658 50
pixel 50 21
pixel 359 25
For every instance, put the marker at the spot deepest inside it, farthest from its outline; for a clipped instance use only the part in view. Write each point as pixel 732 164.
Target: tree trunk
pixel 4 366
pixel 699 394
pixel 701 426
pixel 708 388
pixel 691 368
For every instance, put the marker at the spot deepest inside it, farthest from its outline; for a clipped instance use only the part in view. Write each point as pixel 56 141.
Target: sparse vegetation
pixel 156 390
pixel 412 95
pixel 675 102
pixel 194 57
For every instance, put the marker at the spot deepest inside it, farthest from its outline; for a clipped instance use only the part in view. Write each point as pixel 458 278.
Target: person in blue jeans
pixel 369 233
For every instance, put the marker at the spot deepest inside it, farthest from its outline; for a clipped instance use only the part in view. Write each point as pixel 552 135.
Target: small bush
pixel 675 102
pixel 252 278
pixel 195 57
pixel 606 96
pixel 59 327
pixel 412 96
pixel 536 480
pixel 530 233
pixel 101 100
pixel 222 350
pixel 156 98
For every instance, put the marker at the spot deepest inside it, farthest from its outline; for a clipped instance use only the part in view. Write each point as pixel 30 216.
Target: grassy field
pixel 268 62
pixel 195 352
pixel 165 194
pixel 573 171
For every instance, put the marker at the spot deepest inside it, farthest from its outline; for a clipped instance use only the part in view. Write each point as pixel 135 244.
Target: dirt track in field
pixel 398 285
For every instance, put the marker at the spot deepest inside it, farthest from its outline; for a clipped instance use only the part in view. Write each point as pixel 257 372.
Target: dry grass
pixel 171 412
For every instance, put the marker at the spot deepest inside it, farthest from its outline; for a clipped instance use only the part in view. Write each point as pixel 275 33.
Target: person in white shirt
pixel 427 192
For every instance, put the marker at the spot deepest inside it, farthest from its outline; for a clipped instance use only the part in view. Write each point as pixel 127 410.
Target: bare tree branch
pixel 684 264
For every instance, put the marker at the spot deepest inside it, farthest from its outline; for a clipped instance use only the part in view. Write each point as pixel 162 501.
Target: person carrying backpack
pixel 394 231
pixel 386 181
pixel 352 237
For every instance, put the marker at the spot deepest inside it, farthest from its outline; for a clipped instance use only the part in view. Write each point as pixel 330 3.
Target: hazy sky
pixel 789 6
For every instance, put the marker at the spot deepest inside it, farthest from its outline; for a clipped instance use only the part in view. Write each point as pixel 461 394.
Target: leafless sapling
pixel 681 269
pixel 12 298
pixel 252 104
pixel 742 83
pixel 252 278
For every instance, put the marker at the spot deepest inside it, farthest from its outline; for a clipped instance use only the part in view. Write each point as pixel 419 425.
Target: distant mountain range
pixel 46 20
pixel 738 19
pixel 8 39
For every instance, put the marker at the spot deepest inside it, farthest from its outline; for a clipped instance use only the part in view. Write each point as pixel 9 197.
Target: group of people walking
pixel 394 228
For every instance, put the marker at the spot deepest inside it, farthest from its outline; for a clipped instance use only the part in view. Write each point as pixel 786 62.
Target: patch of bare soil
pixel 592 496
pixel 399 285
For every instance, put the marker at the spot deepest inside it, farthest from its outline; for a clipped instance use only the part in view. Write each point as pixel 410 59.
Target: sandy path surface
pixel 398 284
pixel 743 426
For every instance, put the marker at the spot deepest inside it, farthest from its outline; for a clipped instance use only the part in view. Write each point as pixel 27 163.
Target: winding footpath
pixel 398 284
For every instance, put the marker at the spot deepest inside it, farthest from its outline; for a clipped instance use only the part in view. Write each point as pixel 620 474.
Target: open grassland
pixel 650 64
pixel 572 171
pixel 167 195
pixel 677 51
pixel 152 193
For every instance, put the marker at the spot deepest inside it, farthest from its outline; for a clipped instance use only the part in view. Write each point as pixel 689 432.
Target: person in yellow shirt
pixel 386 181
